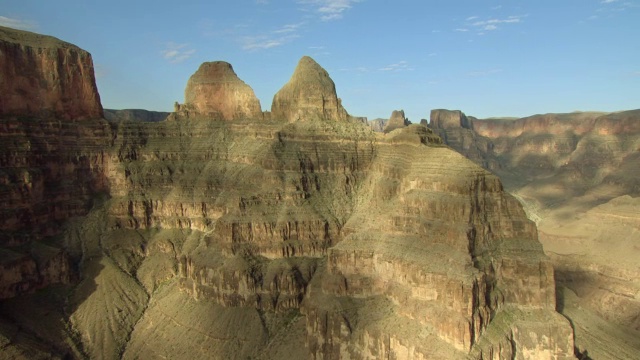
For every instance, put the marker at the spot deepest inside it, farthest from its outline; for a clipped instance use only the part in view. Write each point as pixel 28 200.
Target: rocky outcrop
pixel 396 121
pixel 216 91
pixel 135 115
pixel 44 77
pixel 310 94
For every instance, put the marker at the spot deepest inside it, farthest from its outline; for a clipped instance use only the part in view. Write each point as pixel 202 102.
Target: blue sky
pixel 486 58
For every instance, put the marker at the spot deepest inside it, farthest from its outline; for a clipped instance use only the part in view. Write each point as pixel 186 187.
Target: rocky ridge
pixel 304 236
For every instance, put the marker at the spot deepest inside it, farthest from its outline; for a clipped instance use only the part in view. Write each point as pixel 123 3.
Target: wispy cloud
pixel 176 53
pixel 289 28
pixel 471 18
pixel 399 66
pixel 608 1
pixel 461 30
pixel 278 37
pixel 491 24
pixel 329 10
pixel 17 23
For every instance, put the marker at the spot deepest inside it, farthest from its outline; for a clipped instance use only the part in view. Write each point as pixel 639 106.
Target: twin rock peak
pixel 215 90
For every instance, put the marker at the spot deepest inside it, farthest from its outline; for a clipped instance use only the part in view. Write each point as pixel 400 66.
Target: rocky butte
pixel 299 235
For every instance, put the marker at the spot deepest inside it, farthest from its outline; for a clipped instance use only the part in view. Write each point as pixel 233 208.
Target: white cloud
pixel 471 18
pixel 176 53
pixel 275 38
pixel 329 10
pixel 461 30
pixel 492 24
pixel 608 1
pixel 289 28
pixel 17 23
pixel 399 66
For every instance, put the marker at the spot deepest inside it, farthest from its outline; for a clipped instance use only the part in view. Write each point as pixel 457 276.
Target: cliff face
pixel 577 177
pixel 303 238
pixel 45 77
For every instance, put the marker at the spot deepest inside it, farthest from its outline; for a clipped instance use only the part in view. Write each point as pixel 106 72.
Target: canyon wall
pixel 577 176
pixel 302 234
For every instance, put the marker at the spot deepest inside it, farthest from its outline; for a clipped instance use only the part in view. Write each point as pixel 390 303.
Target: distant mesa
pixel 447 119
pixel 46 77
pixel 216 90
pixel 310 94
pixel 396 121
pixel 135 115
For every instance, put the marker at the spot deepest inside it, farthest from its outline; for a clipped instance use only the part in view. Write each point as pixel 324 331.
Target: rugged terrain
pixel 578 177
pixel 224 232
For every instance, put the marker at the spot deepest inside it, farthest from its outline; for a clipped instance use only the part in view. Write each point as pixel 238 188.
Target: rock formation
pixel 46 78
pixel 378 124
pixel 216 91
pixel 396 121
pixel 135 115
pixel 265 239
pixel 578 176
pixel 310 94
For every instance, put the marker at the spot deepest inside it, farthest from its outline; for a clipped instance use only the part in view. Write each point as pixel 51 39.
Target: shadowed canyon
pixel 222 231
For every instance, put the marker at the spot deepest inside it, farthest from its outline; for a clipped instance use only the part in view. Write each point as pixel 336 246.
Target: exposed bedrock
pixel 291 238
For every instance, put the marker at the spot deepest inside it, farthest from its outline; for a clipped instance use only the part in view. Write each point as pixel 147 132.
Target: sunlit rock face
pixel 216 91
pixel 45 77
pixel 310 94
pixel 301 236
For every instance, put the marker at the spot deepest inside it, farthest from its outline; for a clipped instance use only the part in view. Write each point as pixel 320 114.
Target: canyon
pixel 224 231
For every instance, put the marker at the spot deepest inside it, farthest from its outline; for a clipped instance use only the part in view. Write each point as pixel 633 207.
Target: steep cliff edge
pixel 311 237
pixel 577 176
pixel 44 77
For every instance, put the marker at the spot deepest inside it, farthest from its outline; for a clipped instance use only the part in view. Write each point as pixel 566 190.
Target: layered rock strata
pixel 44 77
pixel 577 176
pixel 306 238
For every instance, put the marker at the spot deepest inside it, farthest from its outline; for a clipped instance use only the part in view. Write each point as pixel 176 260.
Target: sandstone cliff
pixel 216 91
pixel 310 94
pixel 266 239
pixel 45 77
